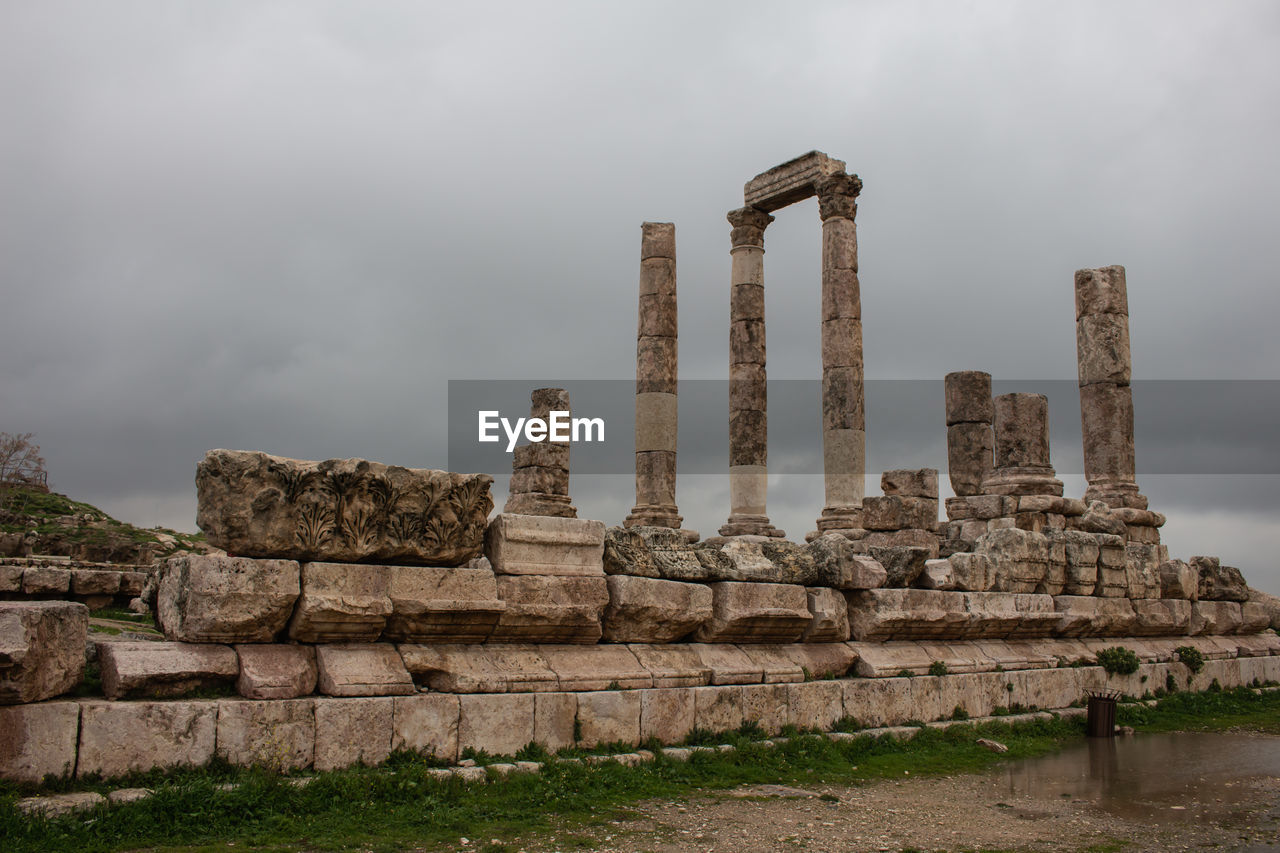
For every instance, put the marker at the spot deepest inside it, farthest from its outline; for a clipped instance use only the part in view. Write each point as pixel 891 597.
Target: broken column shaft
pixel 1022 448
pixel 540 472
pixel 970 444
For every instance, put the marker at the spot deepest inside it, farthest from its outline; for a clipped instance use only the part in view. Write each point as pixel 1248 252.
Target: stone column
pixel 1106 400
pixel 970 444
pixel 540 472
pixel 656 357
pixel 843 415
pixel 1022 448
pixel 748 417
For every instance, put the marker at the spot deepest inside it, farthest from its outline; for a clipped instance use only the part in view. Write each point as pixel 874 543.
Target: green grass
pixel 401 804
pixel 45 508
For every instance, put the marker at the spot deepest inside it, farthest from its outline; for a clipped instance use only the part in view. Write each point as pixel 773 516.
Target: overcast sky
pixel 286 226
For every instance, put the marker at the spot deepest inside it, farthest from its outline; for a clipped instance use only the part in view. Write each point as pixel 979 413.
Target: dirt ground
pixel 966 812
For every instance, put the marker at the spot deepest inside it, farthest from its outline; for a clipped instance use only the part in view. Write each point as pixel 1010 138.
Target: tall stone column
pixel 970 444
pixel 843 413
pixel 748 407
pixel 656 372
pixel 540 472
pixel 1022 448
pixel 1106 400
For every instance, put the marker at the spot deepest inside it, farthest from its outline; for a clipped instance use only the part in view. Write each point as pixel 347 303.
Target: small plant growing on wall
pixel 1118 660
pixel 1191 656
pixel 938 667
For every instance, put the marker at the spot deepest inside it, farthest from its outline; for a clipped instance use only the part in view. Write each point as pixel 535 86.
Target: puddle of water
pixel 1170 777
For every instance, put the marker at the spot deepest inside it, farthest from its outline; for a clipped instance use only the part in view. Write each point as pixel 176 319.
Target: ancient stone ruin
pixel 361 608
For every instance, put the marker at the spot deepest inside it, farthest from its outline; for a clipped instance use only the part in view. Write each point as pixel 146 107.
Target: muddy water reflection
pixel 1167 777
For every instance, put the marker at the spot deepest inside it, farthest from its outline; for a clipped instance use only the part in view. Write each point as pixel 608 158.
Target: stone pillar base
pixel 1035 480
pixel 839 517
pixel 741 524
pixel 653 515
pixel 1116 495
pixel 540 503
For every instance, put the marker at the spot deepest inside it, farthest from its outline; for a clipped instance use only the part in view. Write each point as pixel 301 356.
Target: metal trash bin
pixel 1101 720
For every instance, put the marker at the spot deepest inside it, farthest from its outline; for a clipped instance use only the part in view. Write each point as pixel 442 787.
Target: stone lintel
pixel 792 181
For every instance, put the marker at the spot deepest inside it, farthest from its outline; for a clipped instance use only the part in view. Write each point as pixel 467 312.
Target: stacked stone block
pixel 970 441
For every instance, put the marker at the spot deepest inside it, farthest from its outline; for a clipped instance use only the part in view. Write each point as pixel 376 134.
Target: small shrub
pixel 613 685
pixel 1009 687
pixel 808 676
pixel 1215 687
pixel 938 667
pixel 905 673
pixel 1170 684
pixel 959 713
pixel 752 730
pixel 1118 660
pixel 1191 656
pixel 847 724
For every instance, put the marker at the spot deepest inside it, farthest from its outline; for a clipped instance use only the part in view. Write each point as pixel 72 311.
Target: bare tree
pixel 20 463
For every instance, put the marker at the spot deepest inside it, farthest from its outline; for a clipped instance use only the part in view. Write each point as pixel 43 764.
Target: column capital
pixel 837 196
pixel 748 226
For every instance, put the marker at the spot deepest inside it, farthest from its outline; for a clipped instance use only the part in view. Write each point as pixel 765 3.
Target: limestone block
pixel 341 602
pixel 143 668
pixel 38 741
pixel 340 510
pixel 1178 580
pixel 755 613
pixel 651 552
pixel 926 541
pixel 1254 617
pixel 996 615
pixel 648 610
pixel 543 545
pixel 1112 582
pixel 830 616
pixel 674 665
pixel 1219 582
pixel 1013 654
pixel 554 719
pixel 911 483
pixel 1021 558
pixel 767 705
pixel 204 598
pixel 42 646
pixel 1160 616
pixel 666 714
pixel 937 574
pixel 1088 616
pixel 979 507
pixel 823 660
pixel 792 181
pixel 902 564
pixel 882 660
pixel 884 614
pixel 449 668
pixel 728 664
pixel 775 561
pixel 276 671
pixel 836 565
pixel 776 666
pixel 279 735
pixel 1257 645
pixel 353 731
pixel 1048 688
pixel 456 605
pixel 127 737
pixel 362 669
pixel 717 709
pixel 10 577
pixel 1102 348
pixel 499 725
pixel 132 583
pixel 1270 603
pixel 971 572
pixel 45 580
pixel 550 609
pixel 610 716
pixel 877 702
pixel 95 582
pixel 1101 291
pixel 602 667
pixel 895 512
pixel 815 704
pixel 968 397
pixel 427 724
pixel 960 656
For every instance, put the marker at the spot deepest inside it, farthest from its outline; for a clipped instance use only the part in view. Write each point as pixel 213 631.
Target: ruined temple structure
pixel 361 608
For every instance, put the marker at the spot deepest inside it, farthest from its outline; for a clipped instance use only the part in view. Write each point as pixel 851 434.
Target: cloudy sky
pixel 286 226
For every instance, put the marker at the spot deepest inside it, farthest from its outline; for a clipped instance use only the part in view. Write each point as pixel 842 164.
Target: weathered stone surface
pixel 1254 617
pixel 1087 616
pixel 766 705
pixel 340 510
pixel 970 456
pixel 498 668
pixel 822 660
pixel 38 741
pixel 95 582
pixel 911 483
pixel 838 566
pixel 362 669
pixel 426 724
pixel 45 580
pixel 649 610
pixel 1160 617
pixel 276 671
pixel 755 613
pixel 601 667
pixel 717 709
pixel 675 665
pixel 776 666
pixel 651 552
pixel 609 716
pixel 10 577
pixel 1021 558
pixel 1141 571
pixel 1098 519
pixel 204 598
pixel 971 572
pixel 884 614
pixel 884 659
pixel 895 512
pixel 1102 348
pixel 554 716
pixel 353 731
pixel 968 397
pixel 542 545
pixel 792 181
pixel 41 649
pixel 1270 603
pixel 550 609
pixel 1219 582
pixel 1101 291
pixel 996 615
pixel 879 701
pixel 776 561
pixel 1021 430
pixel 902 564
pixel 341 602
pixel 830 622
pixel 728 664
pixel 500 725
pixel 815 704
pixel 279 735
pixel 143 668
pixel 125 737
pixel 456 605
pixel 936 575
